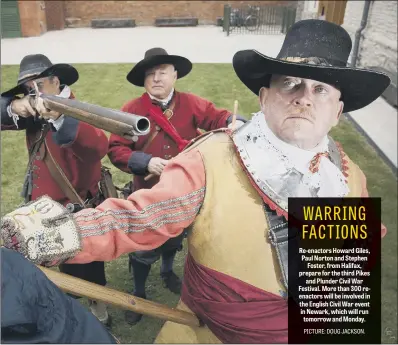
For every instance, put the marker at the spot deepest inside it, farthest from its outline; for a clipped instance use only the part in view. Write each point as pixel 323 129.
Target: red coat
pixel 190 113
pixel 77 147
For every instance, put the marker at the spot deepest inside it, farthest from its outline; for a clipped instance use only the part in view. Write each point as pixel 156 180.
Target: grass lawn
pixel 106 85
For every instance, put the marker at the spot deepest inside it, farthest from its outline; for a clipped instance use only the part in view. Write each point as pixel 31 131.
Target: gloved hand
pixel 43 231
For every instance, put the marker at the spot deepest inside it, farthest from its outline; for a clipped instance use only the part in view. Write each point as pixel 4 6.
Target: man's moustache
pixel 302 112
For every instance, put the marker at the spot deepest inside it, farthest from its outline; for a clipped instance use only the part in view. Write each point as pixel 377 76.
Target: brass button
pixel 166 147
pixel 167 156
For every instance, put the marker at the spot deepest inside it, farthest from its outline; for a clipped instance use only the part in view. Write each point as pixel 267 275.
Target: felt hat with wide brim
pixel 38 66
pixel 155 57
pixel 317 50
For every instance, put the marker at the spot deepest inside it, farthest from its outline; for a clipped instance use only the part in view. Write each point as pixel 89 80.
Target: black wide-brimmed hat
pixel 317 50
pixel 38 66
pixel 154 57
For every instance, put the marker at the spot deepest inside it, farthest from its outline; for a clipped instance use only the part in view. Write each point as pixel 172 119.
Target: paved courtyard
pixel 207 44
pixel 379 121
pixel 202 44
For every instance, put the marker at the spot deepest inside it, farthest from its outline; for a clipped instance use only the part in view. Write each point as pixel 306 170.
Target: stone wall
pixel 307 9
pixel 80 13
pixel 378 45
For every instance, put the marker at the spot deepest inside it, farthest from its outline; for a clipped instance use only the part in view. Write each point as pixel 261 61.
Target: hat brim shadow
pixel 66 74
pixel 137 75
pixel 358 87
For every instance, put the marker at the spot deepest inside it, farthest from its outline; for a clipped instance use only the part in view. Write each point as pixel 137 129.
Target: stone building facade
pixel 378 45
pixel 307 9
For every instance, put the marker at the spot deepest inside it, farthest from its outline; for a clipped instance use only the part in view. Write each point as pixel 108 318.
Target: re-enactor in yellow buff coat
pixel 231 190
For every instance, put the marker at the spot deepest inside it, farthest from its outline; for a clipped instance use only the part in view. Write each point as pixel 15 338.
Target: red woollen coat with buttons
pixel 77 147
pixel 190 114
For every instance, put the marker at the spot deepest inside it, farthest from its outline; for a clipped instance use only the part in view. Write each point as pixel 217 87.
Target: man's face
pixel 160 80
pixel 47 85
pixel 300 111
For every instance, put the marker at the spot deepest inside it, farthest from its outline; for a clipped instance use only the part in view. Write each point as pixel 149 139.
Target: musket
pixel 126 125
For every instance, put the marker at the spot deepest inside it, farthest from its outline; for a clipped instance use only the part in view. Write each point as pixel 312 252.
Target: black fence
pixel 263 20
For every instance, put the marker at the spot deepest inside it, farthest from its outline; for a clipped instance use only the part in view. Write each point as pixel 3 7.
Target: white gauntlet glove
pixel 43 231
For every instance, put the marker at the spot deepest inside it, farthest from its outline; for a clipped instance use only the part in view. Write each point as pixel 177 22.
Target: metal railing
pixel 263 20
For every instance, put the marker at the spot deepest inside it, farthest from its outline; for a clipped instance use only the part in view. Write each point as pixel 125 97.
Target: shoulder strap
pixel 169 114
pixel 60 178
pixel 35 143
pixel 150 139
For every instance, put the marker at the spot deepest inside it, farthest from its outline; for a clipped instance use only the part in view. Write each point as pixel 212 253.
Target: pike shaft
pixel 119 299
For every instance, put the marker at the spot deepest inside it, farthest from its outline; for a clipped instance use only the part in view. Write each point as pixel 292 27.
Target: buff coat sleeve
pixel 148 218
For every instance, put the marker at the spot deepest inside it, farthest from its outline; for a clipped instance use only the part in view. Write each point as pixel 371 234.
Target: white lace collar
pixel 285 168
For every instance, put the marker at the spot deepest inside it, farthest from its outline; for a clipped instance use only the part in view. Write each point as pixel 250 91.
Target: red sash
pixel 157 115
pixel 236 312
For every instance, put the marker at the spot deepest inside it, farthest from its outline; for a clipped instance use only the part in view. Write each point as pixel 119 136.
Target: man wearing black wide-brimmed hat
pixel 175 117
pixel 76 147
pixel 233 187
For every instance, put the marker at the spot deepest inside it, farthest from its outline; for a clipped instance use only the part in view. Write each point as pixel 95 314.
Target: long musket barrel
pixel 127 125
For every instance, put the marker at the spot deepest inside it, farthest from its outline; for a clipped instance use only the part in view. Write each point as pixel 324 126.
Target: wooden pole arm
pixel 80 287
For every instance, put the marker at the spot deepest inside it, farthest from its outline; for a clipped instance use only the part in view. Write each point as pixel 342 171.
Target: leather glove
pixel 43 231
